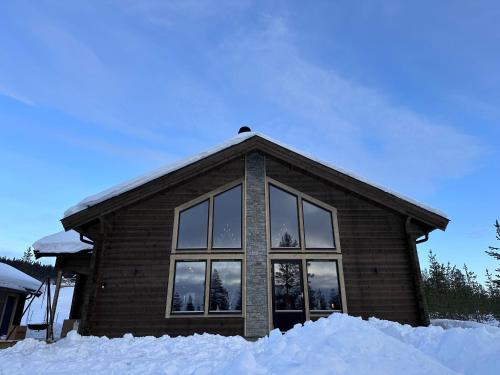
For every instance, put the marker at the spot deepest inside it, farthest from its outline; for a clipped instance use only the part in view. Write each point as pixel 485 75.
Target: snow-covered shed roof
pixel 61 243
pixel 13 279
pixel 240 138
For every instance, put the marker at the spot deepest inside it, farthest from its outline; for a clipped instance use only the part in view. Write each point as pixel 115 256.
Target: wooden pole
pixel 47 309
pixel 54 303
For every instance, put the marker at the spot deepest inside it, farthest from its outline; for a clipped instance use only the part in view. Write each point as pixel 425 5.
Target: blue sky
pixel 406 95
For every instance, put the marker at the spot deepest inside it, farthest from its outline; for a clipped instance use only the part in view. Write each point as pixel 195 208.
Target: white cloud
pixel 174 82
pixel 355 126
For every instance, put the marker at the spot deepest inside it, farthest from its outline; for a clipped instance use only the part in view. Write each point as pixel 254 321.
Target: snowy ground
pixel 36 312
pixel 337 345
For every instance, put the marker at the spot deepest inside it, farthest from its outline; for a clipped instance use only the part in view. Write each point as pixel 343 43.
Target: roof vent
pixel 244 129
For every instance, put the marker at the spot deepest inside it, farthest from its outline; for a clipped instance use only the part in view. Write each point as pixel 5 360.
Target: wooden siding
pixel 378 271
pixel 129 289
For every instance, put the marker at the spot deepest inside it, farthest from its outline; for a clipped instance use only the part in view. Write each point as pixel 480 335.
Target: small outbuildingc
pixel 15 288
pixel 244 238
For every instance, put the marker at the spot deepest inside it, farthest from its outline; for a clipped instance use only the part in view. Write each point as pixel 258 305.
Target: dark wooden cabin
pixel 15 288
pixel 243 239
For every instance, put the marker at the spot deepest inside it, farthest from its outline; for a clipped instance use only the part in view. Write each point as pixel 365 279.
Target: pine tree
pixel 491 287
pixel 286 278
pixel 288 241
pixel 190 305
pixel 219 296
pixel 495 253
pixel 237 306
pixel 28 256
pixel 177 302
pixel 455 294
pixel 321 300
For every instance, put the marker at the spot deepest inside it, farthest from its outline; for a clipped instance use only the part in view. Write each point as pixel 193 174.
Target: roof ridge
pixel 169 168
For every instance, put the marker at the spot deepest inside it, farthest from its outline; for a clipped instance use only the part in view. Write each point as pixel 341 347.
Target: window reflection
pixel 193 227
pixel 225 286
pixel 227 219
pixel 284 223
pixel 189 286
pixel 318 227
pixel 323 286
pixel 287 286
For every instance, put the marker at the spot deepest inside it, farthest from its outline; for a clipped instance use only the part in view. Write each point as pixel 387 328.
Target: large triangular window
pixel 213 223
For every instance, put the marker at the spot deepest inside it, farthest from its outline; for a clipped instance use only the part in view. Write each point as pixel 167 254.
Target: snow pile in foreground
pixel 337 345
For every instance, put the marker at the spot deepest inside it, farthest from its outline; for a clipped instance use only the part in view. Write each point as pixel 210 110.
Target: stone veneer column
pixel 256 320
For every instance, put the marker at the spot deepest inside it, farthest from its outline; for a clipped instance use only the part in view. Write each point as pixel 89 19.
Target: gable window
pixel 298 223
pixel 213 221
pixel 323 286
pixel 207 256
pixel 284 219
pixel 189 287
pixel 227 219
pixel 193 227
pixel 318 227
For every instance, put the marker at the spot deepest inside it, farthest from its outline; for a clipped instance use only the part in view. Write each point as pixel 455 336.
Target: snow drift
pixel 339 344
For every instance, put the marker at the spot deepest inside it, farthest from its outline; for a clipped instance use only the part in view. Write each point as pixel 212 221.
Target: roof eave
pixel 256 142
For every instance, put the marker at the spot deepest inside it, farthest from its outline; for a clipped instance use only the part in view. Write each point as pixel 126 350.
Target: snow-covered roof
pixel 12 278
pixel 61 243
pixel 141 180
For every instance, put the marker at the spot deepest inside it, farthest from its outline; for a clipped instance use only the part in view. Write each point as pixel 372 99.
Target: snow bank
pixel 492 324
pixel 141 180
pixel 339 344
pixel 465 350
pixel 61 243
pixel 12 278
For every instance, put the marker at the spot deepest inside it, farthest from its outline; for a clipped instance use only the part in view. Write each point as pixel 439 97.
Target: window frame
pixel 183 313
pixel 300 197
pixel 208 259
pixel 176 244
pixel 304 258
pixel 324 312
pixel 242 234
pixel 297 200
pixel 329 211
pixel 302 253
pixel 210 196
pixel 228 312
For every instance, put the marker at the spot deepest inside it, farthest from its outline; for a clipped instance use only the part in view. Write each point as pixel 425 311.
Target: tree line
pixel 30 266
pixel 455 293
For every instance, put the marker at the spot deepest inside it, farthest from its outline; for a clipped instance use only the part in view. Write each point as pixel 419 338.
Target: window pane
pixel 189 287
pixel 227 219
pixel 318 227
pixel 323 283
pixel 284 224
pixel 225 286
pixel 287 286
pixel 193 227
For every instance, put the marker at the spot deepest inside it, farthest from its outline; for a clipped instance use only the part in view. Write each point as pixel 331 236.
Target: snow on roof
pixel 141 180
pixel 61 243
pixel 12 278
